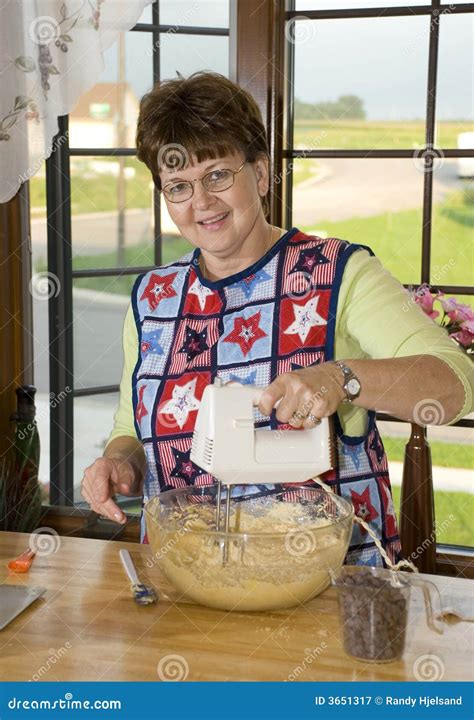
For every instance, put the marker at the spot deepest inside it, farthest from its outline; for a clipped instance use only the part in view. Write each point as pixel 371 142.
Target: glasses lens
pixel 178 192
pixel 218 180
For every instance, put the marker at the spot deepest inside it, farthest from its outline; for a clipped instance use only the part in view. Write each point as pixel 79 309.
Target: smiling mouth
pixel 214 220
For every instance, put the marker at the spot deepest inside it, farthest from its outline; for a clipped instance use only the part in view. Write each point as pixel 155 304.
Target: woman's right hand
pixel 106 477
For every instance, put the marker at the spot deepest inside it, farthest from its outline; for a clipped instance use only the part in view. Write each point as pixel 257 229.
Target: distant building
pixel 94 121
pixel 466 164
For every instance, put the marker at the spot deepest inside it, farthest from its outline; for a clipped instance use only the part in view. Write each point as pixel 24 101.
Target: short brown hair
pixel 206 115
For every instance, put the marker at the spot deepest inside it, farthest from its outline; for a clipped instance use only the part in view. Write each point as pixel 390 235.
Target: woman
pixel 267 307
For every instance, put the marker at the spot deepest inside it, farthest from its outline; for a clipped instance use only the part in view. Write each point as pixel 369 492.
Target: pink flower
pixel 457 320
pixel 466 313
pixel 464 337
pixel 449 304
pixel 425 299
pixel 457 312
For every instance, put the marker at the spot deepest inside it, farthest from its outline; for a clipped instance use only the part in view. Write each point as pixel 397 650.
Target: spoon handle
pixel 127 562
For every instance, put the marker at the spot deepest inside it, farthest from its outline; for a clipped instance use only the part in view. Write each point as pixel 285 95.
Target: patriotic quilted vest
pixel 274 317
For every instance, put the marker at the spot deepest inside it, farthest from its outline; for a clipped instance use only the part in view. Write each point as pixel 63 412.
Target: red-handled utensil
pixel 22 563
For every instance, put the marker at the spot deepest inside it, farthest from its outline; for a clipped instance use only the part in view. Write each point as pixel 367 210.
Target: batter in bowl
pixel 278 554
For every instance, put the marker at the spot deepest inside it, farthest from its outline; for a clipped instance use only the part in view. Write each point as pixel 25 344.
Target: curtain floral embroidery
pixel 51 52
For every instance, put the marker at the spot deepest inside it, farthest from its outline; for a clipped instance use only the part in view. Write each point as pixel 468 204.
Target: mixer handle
pixel 258 390
pixel 258 395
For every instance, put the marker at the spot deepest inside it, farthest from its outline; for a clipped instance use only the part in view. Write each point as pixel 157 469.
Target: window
pixel 360 119
pixel 378 148
pixel 103 225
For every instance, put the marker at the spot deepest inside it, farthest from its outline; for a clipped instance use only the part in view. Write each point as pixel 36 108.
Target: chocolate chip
pixel 374 616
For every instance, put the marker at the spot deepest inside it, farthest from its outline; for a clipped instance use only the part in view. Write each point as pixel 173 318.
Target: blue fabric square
pixel 155 343
pixel 257 286
pixel 159 292
pixel 247 335
pixel 353 460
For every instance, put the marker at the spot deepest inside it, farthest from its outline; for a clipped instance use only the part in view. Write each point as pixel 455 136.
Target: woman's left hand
pixel 305 395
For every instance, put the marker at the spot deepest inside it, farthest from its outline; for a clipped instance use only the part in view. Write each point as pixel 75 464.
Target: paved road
pixel 98 322
pixel 361 188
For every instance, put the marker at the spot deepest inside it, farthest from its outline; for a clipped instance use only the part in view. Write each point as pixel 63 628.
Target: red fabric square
pixel 300 321
pixel 179 403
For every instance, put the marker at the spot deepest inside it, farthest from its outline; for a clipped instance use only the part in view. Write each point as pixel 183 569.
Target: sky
pixel 382 60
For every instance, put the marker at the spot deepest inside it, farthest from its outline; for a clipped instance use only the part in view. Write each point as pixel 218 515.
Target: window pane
pixel 93 422
pixel 112 212
pixel 451 453
pixel 205 13
pixel 371 93
pixel 187 54
pixel 106 115
pixel 455 91
pixel 452 478
pixel 452 247
pixel 99 307
pixel 374 202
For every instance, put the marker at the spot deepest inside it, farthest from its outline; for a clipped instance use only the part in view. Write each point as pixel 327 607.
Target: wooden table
pixel 87 627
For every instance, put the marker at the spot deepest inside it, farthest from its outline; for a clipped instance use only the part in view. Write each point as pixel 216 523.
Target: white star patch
pixel 157 289
pixel 306 317
pixel 182 402
pixel 201 291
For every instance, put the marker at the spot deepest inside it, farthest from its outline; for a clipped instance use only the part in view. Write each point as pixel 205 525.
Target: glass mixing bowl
pixel 281 545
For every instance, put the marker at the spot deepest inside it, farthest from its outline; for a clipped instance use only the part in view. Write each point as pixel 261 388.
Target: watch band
pixel 351 385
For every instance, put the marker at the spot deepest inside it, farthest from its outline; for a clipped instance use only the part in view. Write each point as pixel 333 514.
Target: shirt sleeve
pixel 378 313
pixel 123 418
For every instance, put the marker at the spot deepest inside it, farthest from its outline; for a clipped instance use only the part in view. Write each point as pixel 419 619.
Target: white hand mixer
pixel 227 445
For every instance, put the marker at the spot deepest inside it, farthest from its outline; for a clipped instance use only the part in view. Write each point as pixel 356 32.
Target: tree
pixel 346 107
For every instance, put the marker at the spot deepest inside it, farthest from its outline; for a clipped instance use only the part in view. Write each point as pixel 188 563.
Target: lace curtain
pixel 51 52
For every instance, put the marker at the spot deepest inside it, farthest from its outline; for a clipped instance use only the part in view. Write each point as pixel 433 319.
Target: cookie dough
pixel 278 554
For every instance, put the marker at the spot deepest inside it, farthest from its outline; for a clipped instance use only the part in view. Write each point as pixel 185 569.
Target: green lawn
pixel 396 239
pixel 459 504
pixel 139 254
pixel 358 134
pixel 455 455
pixel 93 192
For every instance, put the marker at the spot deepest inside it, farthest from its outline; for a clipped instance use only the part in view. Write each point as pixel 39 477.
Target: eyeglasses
pixel 214 181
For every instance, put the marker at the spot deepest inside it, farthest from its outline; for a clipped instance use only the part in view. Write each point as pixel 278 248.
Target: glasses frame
pixel 201 180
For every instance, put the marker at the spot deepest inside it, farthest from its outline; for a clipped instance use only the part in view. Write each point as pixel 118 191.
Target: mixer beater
pixel 227 445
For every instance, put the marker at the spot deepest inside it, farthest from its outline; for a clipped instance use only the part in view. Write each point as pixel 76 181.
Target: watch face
pixel 353 387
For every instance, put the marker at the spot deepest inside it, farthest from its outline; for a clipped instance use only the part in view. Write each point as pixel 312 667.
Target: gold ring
pixel 298 416
pixel 312 418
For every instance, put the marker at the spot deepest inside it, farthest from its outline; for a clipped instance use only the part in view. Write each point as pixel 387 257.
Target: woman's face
pixel 240 205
